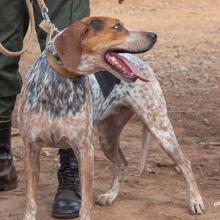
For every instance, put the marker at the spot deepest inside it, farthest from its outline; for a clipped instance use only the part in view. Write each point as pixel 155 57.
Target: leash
pixel 46 25
pixel 51 31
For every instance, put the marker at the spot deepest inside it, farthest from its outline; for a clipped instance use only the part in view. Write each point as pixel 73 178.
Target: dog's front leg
pixel 109 138
pixel 86 162
pixel 31 169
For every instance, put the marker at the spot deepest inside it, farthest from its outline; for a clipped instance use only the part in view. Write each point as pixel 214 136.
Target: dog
pixel 56 105
pixel 61 100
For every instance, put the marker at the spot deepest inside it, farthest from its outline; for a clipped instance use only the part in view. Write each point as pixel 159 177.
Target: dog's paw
pixel 106 199
pixel 196 206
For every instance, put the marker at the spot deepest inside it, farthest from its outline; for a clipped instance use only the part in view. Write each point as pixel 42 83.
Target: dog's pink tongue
pixel 131 68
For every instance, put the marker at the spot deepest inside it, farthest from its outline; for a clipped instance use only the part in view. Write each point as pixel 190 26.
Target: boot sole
pixel 9 186
pixel 65 216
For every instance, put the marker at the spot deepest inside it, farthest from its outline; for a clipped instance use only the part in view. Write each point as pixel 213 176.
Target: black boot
pixel 8 176
pixel 68 198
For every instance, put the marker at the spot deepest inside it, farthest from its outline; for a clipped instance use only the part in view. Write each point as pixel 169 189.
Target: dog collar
pixel 59 68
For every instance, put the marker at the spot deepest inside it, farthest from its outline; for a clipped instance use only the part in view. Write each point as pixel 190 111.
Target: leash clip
pixel 47 25
pixel 45 16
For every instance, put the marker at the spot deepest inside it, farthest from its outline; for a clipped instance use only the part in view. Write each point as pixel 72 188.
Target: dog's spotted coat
pixel 60 112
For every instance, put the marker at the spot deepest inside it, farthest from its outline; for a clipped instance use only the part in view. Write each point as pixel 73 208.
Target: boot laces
pixel 68 174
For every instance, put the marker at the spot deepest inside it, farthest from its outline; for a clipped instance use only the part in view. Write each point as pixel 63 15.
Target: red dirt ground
pixel 186 62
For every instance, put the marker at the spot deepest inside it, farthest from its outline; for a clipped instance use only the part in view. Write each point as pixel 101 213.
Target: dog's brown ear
pixel 69 45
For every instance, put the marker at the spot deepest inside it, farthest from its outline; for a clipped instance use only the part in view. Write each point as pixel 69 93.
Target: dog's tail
pixel 144 148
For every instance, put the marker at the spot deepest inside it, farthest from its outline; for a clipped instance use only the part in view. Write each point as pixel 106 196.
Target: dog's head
pixel 94 43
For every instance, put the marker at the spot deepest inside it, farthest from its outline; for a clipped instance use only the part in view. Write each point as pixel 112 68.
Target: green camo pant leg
pixel 6 108
pixel 13 26
pixel 62 13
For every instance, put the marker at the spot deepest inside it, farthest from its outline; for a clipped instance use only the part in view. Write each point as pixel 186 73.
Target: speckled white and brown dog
pixel 58 111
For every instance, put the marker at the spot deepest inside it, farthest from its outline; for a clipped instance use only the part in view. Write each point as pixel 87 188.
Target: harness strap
pixel 59 68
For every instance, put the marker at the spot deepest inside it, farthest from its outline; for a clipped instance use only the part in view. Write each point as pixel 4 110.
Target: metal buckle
pixel 45 15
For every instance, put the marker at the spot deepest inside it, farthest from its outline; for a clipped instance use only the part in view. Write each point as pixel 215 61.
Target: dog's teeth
pixel 115 62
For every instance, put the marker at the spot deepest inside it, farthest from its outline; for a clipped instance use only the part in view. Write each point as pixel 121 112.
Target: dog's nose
pixel 152 36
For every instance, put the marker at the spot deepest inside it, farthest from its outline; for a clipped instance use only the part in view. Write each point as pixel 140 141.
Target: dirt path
pixel 186 61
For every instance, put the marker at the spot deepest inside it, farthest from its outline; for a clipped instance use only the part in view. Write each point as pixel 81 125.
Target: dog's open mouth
pixel 124 66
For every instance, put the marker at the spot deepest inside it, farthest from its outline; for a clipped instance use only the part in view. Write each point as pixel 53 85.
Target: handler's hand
pixel 120 1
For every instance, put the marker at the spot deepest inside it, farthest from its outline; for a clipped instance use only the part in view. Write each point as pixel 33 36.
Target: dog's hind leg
pixel 144 148
pixel 31 169
pixel 109 133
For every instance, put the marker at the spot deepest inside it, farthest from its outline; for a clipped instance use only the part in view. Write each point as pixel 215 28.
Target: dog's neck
pixel 49 91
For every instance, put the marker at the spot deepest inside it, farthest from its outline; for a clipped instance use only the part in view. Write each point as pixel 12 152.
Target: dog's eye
pixel 118 27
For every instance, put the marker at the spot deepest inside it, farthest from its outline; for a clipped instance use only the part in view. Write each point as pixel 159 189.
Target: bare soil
pixel 186 62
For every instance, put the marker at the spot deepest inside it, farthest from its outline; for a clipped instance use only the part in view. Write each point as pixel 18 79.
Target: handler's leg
pixel 13 28
pixel 8 177
pixel 68 197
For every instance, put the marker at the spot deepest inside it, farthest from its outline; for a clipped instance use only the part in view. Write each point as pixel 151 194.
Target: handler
pixel 13 27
